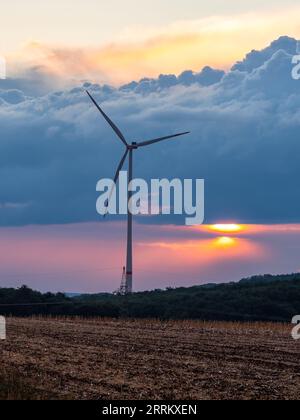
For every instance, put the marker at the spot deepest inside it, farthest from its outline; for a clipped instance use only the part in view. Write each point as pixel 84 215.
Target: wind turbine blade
pixel 116 179
pixel 146 143
pixel 120 166
pixel 113 126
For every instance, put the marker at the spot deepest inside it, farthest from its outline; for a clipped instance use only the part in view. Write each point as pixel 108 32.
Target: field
pixel 139 359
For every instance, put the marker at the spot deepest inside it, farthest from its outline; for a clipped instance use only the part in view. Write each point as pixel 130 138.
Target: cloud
pixel 206 77
pixel 244 142
pixel 12 96
pixel 256 59
pixel 148 51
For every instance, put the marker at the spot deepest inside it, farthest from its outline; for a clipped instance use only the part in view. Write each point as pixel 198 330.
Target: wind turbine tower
pixel 129 149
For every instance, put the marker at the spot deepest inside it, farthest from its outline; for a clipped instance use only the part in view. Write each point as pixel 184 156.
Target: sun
pixel 227 228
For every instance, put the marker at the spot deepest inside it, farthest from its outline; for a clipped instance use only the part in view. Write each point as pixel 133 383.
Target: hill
pixel 260 298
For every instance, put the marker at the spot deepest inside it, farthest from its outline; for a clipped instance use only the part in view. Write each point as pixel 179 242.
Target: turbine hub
pixel 133 146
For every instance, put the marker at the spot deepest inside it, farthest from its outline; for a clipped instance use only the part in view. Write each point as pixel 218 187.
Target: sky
pixel 96 22
pixel 116 42
pixel 88 257
pixel 222 70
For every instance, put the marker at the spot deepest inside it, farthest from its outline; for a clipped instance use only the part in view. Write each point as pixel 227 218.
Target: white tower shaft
pixel 129 267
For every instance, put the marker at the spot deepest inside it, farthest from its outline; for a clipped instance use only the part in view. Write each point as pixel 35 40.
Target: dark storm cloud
pixel 244 142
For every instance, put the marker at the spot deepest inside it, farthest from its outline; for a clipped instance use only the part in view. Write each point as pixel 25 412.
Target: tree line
pixel 260 298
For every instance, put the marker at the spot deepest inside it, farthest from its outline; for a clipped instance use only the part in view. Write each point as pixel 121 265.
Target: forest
pixel 259 298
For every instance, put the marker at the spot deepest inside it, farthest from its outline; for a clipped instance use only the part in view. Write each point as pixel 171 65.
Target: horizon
pixel 74 294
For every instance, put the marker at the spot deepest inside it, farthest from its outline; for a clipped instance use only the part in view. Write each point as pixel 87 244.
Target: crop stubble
pixel 145 359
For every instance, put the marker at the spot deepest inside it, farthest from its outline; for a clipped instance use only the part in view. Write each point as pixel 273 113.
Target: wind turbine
pixel 129 148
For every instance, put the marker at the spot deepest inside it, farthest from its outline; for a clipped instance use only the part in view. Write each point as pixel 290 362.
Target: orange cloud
pixel 203 251
pixel 180 46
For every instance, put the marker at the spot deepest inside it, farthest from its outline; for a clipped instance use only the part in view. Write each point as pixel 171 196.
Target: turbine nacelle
pixel 133 146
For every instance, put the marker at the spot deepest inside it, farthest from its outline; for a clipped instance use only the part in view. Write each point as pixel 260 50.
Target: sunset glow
pixel 225 241
pixel 138 51
pixel 228 228
pixel 86 257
